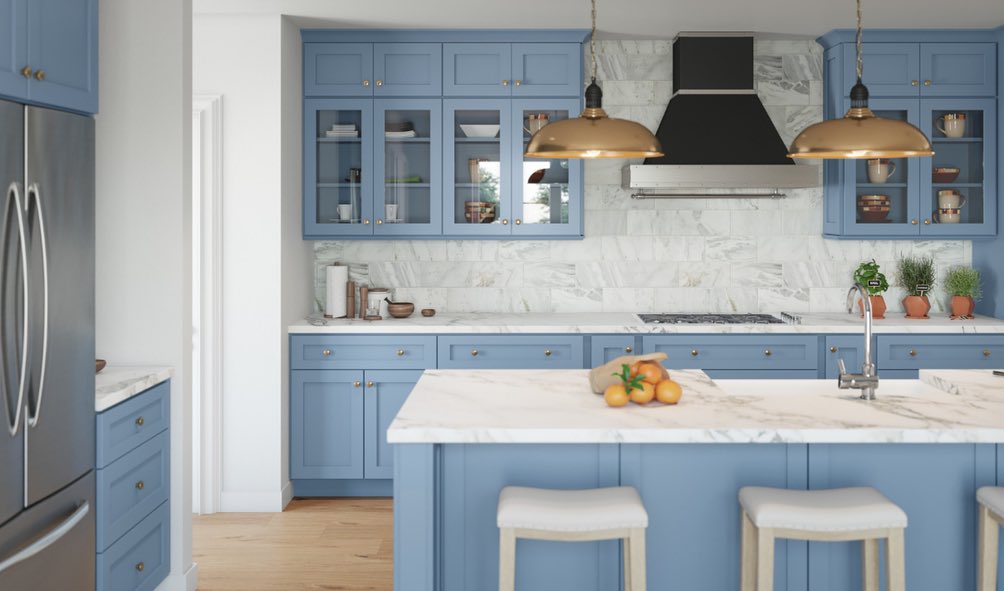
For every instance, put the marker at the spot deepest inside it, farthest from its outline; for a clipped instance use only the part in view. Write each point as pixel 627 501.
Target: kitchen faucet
pixel 866 381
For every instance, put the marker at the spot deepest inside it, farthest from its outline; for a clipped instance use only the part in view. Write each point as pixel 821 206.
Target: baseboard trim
pixel 287 494
pixel 192 577
pixel 252 502
pixel 344 488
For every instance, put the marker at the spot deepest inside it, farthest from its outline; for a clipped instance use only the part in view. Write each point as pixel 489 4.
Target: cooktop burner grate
pixel 709 319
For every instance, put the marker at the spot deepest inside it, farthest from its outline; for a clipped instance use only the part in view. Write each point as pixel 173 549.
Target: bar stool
pixel 614 513
pixel 991 499
pixel 835 515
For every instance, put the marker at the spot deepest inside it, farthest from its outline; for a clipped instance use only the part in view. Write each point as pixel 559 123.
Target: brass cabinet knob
pixel 366 82
pixel 927 82
pixel 369 384
pixel 40 75
pixel 694 353
pixel 140 421
pixel 914 82
pixel 519 83
pixel 767 353
pixel 140 567
pixel 927 222
pixel 986 352
pixel 400 352
pixel 26 71
pixel 474 352
pixel 379 82
pixel 379 221
pixel 326 352
pixel 833 349
pixel 366 221
pixel 140 485
pixel 505 83
pixel 357 384
pixel 505 222
pixel 547 352
pixel 518 222
pixel 914 222
pixel 913 352
pixel 629 349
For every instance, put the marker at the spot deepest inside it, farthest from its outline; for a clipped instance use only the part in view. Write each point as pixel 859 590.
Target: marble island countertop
pixel 622 322
pixel 117 383
pixel 548 406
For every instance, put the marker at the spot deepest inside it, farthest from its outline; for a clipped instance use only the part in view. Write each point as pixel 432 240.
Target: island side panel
pixel 415 474
pixel 691 493
pixel 472 477
pixel 935 484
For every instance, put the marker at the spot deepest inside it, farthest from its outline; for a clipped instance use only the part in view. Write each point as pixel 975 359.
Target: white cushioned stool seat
pixel 833 510
pixel 992 497
pixel 593 509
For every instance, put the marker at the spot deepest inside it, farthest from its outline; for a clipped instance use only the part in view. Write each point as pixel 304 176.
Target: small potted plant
pixel 964 285
pixel 916 275
pixel 869 275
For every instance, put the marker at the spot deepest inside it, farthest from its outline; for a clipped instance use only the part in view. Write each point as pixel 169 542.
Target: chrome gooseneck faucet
pixel 867 381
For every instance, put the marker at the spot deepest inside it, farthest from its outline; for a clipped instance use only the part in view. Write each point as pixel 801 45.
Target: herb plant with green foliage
pixel 964 281
pixel 868 272
pixel 914 271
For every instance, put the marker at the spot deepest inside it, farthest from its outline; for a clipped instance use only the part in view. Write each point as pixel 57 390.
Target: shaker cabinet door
pixel 338 69
pixel 386 392
pixel 547 69
pixel 408 69
pixel 63 52
pixel 890 69
pixel 14 51
pixel 326 423
pixel 477 69
pixel 958 69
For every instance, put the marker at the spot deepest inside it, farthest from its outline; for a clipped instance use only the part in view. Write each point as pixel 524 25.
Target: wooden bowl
pixel 400 309
pixel 945 174
pixel 872 217
pixel 99 364
pixel 428 312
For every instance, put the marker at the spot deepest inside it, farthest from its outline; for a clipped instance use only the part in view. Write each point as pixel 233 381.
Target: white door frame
pixel 207 112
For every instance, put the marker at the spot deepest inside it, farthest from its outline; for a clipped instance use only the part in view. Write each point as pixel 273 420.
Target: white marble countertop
pixel 601 323
pixel 548 406
pixel 117 383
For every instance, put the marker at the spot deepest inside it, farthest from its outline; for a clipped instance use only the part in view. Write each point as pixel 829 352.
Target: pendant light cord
pixel 860 64
pixel 592 41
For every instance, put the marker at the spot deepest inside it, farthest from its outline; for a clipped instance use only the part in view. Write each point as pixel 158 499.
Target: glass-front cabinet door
pixel 958 195
pixel 476 167
pixel 542 188
pixel 880 195
pixel 408 199
pixel 338 167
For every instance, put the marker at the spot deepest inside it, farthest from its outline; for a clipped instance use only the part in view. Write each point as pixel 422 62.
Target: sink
pixel 888 387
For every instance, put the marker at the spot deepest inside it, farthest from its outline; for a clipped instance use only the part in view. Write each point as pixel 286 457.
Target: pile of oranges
pixel 641 383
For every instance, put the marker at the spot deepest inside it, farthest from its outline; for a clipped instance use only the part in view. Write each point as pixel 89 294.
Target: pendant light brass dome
pixel 860 134
pixel 593 134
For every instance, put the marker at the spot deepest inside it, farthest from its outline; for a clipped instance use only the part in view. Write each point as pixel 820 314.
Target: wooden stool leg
pixel 626 543
pixel 765 560
pixel 637 559
pixel 895 561
pixel 507 559
pixel 988 549
pixel 870 565
pixel 747 575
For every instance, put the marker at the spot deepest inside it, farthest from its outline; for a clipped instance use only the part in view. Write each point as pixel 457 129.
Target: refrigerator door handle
pixel 35 197
pixel 48 538
pixel 15 194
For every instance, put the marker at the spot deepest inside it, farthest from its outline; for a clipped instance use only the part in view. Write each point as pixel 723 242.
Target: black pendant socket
pixel 594 96
pixel 859 96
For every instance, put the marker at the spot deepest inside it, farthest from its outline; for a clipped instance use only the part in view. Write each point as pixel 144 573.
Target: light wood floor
pixel 331 544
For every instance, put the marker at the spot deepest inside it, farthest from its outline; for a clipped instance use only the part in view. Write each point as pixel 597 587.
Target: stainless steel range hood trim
pixel 720 176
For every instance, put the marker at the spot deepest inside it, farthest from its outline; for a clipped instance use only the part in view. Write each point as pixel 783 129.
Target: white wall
pixel 144 219
pixel 241 57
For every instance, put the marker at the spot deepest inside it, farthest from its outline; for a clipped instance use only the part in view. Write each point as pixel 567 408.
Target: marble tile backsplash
pixel 692 255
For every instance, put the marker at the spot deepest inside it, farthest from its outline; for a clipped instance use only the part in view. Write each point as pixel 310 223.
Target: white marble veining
pixel 117 383
pixel 547 406
pixel 971 383
pixel 622 322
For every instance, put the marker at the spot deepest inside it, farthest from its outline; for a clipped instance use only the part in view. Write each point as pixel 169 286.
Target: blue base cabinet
pixel 739 356
pixel 134 492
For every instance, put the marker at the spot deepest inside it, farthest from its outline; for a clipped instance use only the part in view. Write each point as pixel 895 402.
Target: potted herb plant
pixel 869 275
pixel 916 275
pixel 964 285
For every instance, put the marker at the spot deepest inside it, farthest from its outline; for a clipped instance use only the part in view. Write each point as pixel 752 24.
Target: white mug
pixel 950 199
pixel 949 216
pixel 344 211
pixel 954 124
pixel 879 171
pixel 390 212
pixel 535 122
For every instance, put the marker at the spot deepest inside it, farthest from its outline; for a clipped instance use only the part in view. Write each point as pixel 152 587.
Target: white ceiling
pixel 626 18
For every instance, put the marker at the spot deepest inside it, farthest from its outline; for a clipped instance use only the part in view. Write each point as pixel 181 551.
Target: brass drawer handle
pixel 26 71
pixel 379 82
pixel 547 352
pixel 140 421
pixel 833 349
pixel 505 83
pixel 927 82
pixel 505 222
pixel 140 485
pixel 140 567
pixel 767 353
pixel 927 222
pixel 400 352
pixel 40 75
pixel 326 352
pixel 694 353
pixel 379 222
pixel 366 221
pixel 629 349
pixel 914 222
pixel 519 83
pixel 474 352
pixel 913 352
pixel 366 82
pixel 518 222
pixel 369 384
pixel 357 384
pixel 986 352
pixel 914 82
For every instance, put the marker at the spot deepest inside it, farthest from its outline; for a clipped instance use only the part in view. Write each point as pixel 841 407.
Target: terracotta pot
pixel 917 307
pixel 962 307
pixel 878 307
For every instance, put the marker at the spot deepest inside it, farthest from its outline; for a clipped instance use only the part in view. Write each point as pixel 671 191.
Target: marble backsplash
pixel 691 255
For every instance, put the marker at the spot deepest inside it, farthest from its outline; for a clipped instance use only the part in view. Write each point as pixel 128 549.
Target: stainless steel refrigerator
pixel 46 350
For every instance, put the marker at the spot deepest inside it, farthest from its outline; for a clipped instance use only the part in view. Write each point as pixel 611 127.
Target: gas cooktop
pixel 709 319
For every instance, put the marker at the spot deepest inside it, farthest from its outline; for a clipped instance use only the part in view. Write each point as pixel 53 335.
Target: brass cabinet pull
pixel 694 352
pixel 833 349
pixel 357 384
pixel 927 82
pixel 628 349
pixel 986 352
pixel 927 222
pixel 140 566
pixel 913 352
pixel 767 352
pixel 505 222
pixel 369 384
pixel 379 82
pixel 400 352
pixel 140 421
pixel 505 83
pixel 140 485
pixel 518 221
pixel 40 75
pixel 379 221
pixel 519 83
pixel 914 222
pixel 366 82
pixel 474 352
pixel 914 82
pixel 26 71
pixel 547 352
pixel 366 221
pixel 326 352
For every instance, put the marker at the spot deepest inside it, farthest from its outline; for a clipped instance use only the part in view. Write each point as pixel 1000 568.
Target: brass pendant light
pixel 593 134
pixel 860 134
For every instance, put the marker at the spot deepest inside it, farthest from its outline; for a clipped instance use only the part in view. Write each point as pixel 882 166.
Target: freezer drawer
pixel 66 563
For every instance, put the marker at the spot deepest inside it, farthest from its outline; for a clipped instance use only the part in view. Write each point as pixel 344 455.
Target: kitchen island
pixel 463 435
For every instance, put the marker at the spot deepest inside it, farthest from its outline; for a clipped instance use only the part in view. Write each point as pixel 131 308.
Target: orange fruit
pixel 616 395
pixel 668 392
pixel 643 395
pixel 649 371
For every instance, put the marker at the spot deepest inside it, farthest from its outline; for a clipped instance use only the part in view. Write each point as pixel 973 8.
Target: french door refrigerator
pixel 46 350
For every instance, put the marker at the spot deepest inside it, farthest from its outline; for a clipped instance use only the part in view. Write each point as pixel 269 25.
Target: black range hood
pixel 715 132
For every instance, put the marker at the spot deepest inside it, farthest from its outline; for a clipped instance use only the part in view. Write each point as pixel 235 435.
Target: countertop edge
pixel 116 384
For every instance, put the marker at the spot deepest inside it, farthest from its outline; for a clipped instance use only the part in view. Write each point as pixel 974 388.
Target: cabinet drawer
pixel 735 351
pixel 605 348
pixel 940 352
pixel 362 352
pixel 132 423
pixel 131 487
pixel 141 559
pixel 505 352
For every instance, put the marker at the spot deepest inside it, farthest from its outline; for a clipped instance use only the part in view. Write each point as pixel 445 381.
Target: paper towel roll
pixel 337 277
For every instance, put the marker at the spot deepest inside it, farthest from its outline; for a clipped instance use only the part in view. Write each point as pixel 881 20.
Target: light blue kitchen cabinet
pixel 962 69
pixel 326 424
pixel 547 69
pixel 890 69
pixel 407 69
pixel 50 53
pixel 850 348
pixel 906 354
pixel 337 69
pixel 386 392
pixel 739 356
pixel 477 69
pixel 510 352
pixel 605 348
